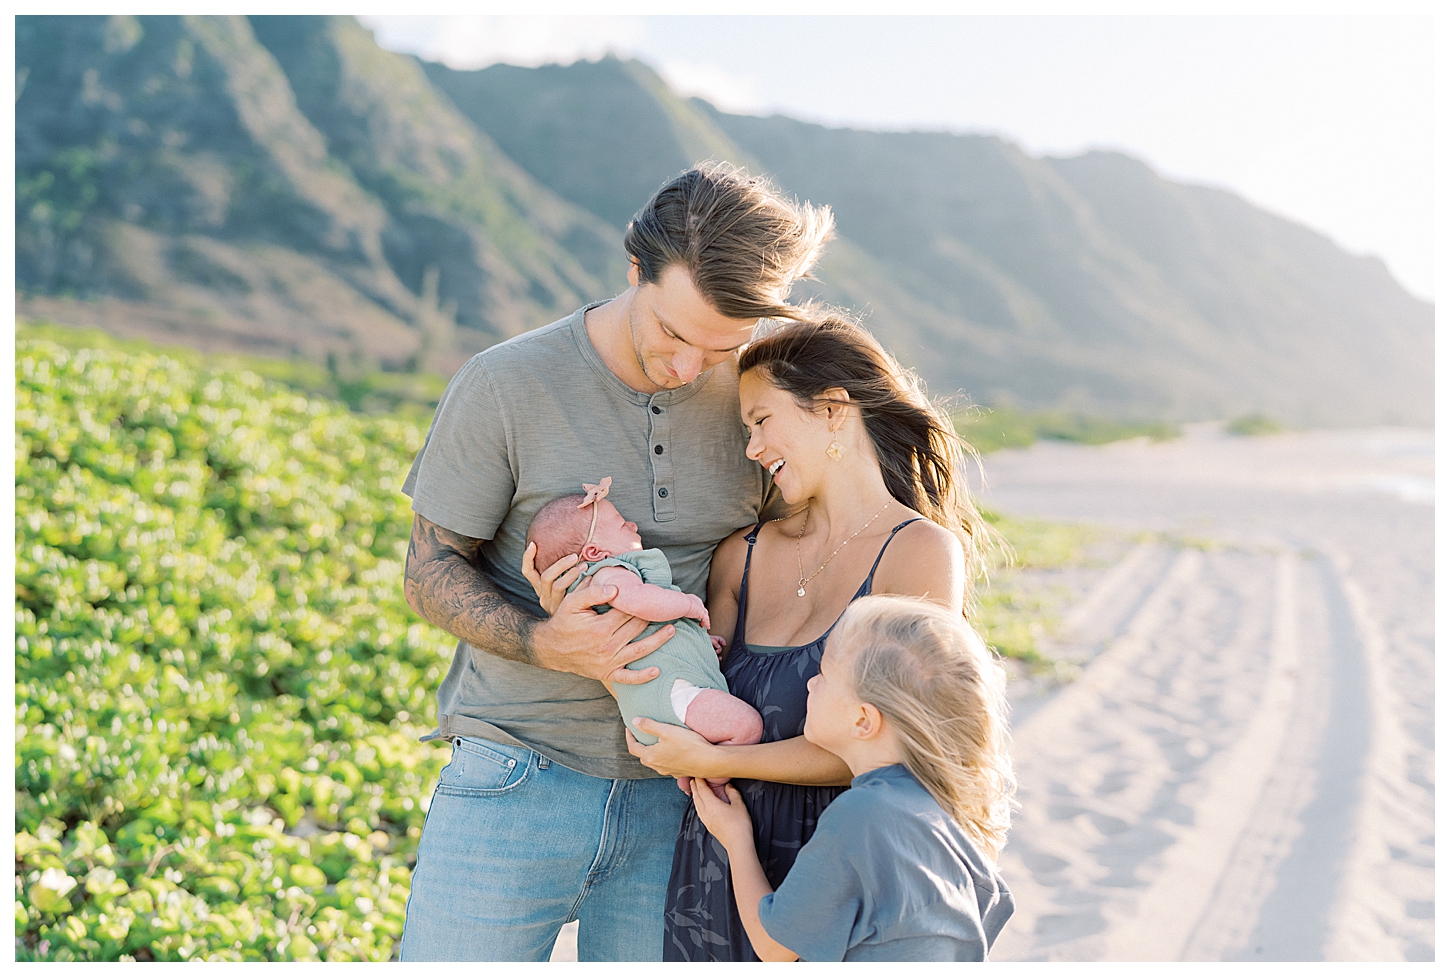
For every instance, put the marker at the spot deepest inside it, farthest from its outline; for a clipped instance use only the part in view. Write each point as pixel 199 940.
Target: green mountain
pixel 1089 283
pixel 284 185
pixel 603 135
pixel 277 185
pixel 1114 285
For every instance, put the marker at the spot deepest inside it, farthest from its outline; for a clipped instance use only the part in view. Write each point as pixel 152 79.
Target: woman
pixel 873 473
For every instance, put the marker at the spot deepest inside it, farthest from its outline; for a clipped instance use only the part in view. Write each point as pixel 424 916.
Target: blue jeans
pixel 515 846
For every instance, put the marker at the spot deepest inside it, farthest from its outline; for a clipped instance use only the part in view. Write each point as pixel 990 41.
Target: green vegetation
pixel 1012 622
pixel 1006 427
pixel 1038 544
pixel 1012 618
pixel 302 209
pixel 367 390
pixel 219 687
pixel 1253 425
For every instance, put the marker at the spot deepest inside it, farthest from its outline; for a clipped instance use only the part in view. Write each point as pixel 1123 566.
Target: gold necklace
pixel 803 580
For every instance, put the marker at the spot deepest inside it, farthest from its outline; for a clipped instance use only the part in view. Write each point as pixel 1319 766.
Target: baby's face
pixel 613 534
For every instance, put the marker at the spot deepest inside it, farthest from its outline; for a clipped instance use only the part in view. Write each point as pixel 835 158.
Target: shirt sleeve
pixel 463 479
pixel 816 911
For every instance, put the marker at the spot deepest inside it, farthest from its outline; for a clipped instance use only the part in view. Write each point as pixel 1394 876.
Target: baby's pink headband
pixel 592 495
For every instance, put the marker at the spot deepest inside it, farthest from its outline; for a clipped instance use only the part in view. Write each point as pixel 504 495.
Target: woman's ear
pixel 633 274
pixel 838 403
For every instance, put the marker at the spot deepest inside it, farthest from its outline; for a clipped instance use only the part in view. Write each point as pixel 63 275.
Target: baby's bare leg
pixel 722 718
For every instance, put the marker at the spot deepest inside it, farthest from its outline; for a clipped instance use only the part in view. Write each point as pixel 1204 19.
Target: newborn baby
pixel 690 690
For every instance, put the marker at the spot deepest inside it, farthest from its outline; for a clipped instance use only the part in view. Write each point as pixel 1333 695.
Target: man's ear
pixel 592 552
pixel 838 402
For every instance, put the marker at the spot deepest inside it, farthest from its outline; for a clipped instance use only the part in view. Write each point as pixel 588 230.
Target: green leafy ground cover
pixel 219 687
pixel 362 387
pixel 988 430
pixel 1012 616
pixel 1253 425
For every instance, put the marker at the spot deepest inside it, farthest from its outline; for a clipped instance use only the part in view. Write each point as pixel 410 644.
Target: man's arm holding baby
pixel 651 602
pixel 444 584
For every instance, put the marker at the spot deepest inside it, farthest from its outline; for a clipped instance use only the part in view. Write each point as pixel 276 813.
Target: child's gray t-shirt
pixel 529 420
pixel 888 876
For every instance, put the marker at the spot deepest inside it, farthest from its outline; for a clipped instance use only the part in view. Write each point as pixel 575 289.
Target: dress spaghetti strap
pixel 702 921
pixel 865 588
pixel 862 591
pixel 750 539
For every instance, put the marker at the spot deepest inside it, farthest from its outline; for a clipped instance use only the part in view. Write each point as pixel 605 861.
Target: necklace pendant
pixel 801 592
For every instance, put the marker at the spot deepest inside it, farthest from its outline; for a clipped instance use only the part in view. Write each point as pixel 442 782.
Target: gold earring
pixel 834 451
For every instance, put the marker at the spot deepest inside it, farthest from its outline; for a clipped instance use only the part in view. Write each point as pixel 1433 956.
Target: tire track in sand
pixel 1141 778
pixel 1364 923
pixel 1196 871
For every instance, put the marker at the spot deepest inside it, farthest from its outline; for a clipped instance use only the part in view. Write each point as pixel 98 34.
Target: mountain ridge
pixel 284 185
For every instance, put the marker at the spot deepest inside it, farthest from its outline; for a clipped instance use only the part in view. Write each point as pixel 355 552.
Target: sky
pixel 1327 120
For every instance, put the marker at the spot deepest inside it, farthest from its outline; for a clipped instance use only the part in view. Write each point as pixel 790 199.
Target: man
pixel 543 816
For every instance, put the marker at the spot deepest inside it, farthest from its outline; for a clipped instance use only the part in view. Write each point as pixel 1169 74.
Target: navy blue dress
pixel 701 921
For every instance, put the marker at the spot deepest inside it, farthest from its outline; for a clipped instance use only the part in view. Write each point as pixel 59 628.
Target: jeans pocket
pixel 481 768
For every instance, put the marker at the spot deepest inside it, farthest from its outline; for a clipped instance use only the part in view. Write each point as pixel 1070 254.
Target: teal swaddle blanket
pixel 689 655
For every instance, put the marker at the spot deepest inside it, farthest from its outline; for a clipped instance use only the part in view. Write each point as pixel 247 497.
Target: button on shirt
pixel 888 876
pixel 532 419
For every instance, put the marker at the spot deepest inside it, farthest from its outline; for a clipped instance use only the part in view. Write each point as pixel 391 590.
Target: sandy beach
pixel 1243 769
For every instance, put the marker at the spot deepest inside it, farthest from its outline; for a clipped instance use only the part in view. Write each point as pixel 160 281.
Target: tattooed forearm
pixel 443 583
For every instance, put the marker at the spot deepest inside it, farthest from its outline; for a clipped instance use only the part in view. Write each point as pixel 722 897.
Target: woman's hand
pixel 729 823
pixel 552 584
pixel 680 752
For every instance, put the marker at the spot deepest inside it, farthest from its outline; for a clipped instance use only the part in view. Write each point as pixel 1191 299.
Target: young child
pixel 690 690
pixel 902 865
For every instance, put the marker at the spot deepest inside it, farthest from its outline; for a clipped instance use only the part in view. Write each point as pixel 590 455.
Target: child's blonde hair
pixel 944 695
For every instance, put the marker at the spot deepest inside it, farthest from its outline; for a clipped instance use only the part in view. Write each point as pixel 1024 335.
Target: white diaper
pixel 682 693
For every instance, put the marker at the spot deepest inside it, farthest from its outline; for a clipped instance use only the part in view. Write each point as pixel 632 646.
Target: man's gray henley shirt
pixel 532 419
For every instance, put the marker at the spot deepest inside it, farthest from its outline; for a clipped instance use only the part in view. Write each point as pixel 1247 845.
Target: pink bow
pixel 594 493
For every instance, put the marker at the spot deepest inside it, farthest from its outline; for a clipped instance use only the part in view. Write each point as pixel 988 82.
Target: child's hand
pixel 697 610
pixel 720 644
pixel 729 823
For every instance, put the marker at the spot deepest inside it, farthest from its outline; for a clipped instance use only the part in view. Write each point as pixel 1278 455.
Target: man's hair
pixel 741 242
pixel 559 528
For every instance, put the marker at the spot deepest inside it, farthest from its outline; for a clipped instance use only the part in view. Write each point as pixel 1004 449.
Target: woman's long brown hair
pixel 921 456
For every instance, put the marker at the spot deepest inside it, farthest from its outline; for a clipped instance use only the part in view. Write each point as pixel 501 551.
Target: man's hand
pixel 444 584
pixel 553 582
pixel 597 646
